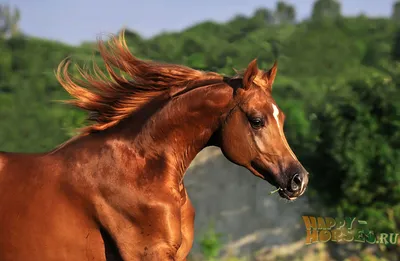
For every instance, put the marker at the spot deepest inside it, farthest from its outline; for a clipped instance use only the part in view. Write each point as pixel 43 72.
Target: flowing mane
pixel 112 99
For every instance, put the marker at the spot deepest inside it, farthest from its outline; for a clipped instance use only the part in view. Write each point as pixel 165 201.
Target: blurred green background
pixel 338 83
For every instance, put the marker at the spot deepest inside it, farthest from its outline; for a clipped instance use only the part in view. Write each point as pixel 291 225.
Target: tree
pixel 326 9
pixel 9 20
pixel 396 12
pixel 263 16
pixel 284 13
pixel 396 47
pixel 375 53
pixel 357 161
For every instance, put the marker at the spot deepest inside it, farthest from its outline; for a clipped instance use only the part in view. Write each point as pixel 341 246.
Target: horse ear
pixel 270 74
pixel 250 73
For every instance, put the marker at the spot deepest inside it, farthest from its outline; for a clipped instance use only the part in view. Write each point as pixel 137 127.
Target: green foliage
pixel 210 244
pixel 396 12
pixel 30 119
pixel 357 158
pixel 325 9
pixel 285 13
pixel 396 47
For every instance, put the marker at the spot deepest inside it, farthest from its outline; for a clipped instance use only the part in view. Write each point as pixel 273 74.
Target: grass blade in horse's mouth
pixel 272 192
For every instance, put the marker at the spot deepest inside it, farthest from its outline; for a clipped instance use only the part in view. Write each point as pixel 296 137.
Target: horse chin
pixel 265 174
pixel 269 177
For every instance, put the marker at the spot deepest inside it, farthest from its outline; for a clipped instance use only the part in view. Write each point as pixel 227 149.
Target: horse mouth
pixel 284 195
pixel 267 176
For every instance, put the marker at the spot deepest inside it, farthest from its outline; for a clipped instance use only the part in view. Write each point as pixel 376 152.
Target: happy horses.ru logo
pixel 324 229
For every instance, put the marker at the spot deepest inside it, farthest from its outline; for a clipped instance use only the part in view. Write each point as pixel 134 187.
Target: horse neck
pixel 184 126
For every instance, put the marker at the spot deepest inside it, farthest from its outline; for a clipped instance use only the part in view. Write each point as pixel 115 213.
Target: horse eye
pixel 256 122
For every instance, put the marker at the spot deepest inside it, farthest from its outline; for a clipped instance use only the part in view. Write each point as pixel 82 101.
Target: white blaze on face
pixel 276 113
pixel 276 117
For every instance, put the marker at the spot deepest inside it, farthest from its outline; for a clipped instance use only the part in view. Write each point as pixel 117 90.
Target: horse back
pixel 38 219
pixel 21 177
pixel 14 163
pixel 3 161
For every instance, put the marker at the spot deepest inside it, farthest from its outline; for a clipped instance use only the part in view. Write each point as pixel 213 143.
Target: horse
pixel 115 191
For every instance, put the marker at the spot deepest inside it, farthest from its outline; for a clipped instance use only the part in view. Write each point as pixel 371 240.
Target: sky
pixel 75 21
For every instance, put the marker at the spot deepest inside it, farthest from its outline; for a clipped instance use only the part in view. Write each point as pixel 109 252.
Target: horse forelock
pixel 130 84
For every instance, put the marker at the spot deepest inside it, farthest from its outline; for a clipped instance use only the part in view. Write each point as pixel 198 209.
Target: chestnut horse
pixel 115 191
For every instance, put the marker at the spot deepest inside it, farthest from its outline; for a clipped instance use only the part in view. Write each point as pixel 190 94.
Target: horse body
pixel 116 191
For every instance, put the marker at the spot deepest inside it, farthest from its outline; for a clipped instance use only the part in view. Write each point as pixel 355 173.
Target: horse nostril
pixel 295 185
